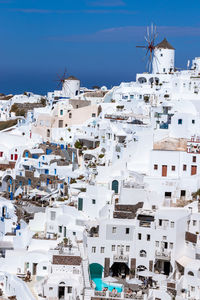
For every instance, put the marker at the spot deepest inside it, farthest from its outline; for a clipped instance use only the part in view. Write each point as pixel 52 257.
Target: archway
pixel 115 186
pixel 142 80
pixel 7 183
pixel 96 270
pixel 141 268
pixel 61 290
pixel 119 269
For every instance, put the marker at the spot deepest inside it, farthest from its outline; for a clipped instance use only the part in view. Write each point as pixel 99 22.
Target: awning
pixel 184 261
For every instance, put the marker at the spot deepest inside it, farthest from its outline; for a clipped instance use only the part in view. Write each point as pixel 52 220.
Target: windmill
pixel 62 82
pixel 150 46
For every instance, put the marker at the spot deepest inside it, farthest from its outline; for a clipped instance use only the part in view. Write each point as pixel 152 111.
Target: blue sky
pixel 94 39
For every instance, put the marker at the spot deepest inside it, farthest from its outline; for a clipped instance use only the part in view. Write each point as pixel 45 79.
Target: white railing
pixel 120 258
pixel 164 254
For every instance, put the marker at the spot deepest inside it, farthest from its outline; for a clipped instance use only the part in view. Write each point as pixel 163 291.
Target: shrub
pixel 78 145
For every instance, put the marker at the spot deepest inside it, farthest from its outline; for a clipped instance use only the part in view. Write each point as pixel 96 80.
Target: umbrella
pixel 145 273
pixel 134 281
pixel 109 279
pixel 159 277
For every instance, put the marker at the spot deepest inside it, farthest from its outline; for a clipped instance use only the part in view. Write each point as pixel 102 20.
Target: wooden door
pixel 164 171
pixel 34 268
pixel 193 170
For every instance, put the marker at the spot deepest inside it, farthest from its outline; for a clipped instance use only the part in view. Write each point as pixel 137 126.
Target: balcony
pixel 120 258
pixel 145 224
pixel 163 254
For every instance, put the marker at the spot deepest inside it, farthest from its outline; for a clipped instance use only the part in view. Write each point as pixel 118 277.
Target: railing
pixel 163 254
pixel 120 258
pixel 145 224
pixel 122 295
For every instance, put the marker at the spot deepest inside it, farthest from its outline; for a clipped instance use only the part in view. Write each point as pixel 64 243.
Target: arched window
pixel 48 132
pixel 190 273
pixel 115 186
pixel 143 253
pixel 141 268
pixel 142 80
pixel 70 115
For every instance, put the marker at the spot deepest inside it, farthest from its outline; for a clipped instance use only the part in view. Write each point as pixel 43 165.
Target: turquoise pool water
pixel 100 285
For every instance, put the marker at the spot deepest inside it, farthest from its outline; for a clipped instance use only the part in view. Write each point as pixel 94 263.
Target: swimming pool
pixel 100 285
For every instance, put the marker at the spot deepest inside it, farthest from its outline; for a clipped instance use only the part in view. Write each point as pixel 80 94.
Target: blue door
pixel 115 186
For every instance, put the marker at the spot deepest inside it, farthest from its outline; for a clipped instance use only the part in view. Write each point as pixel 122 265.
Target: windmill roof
pixel 71 78
pixel 165 45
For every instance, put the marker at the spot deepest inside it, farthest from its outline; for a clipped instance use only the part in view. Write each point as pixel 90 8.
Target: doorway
pixel 166 267
pixel 34 268
pixel 61 292
pixel 164 171
pixel 119 269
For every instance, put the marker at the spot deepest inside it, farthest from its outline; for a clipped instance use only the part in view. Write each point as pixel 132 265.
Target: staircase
pixel 85 269
pixel 31 286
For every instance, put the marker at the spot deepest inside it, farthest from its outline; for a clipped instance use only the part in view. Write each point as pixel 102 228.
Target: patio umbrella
pixel 159 277
pixel 109 279
pixel 134 281
pixel 145 273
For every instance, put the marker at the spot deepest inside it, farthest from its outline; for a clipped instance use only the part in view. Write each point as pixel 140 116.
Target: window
pixel 192 289
pixel 127 230
pixel 194 159
pixel 168 194
pixel 193 121
pixel 157 243
pixel 171 245
pixel 139 236
pixel 60 229
pixel 180 121
pixel 11 157
pixel 143 253
pixel 194 222
pixel 70 115
pixel 155 167
pixel 114 229
pixel 60 123
pixel 164 70
pixel 102 249
pixel 48 132
pixel 93 249
pixel 183 193
pixel 44 267
pixel 53 215
pixel 164 238
pixel 173 168
pixel 160 222
pixel 193 170
pixel 93 115
pixel 80 203
pixel 148 237
pixel 127 248
pixel 172 224
pixel 74 232
pixel 69 289
pixel 61 112
pixel 93 201
pixel 113 247
pixel 1 154
pixel 184 167
pixel 50 288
